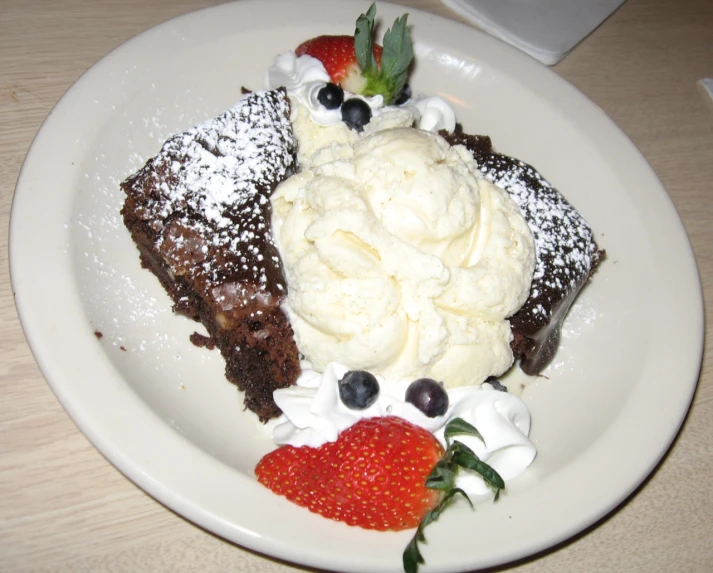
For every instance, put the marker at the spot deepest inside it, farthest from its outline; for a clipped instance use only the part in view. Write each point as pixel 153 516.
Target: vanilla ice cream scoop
pixel 421 191
pixel 401 260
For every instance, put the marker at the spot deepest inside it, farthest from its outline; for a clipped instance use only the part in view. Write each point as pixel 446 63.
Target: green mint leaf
pixel 457 427
pixel 363 41
pixel 466 458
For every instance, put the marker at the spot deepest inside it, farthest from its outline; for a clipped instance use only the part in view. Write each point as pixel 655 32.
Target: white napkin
pixel 545 29
pixel 706 87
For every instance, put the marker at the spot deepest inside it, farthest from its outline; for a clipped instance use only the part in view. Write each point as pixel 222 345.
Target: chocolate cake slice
pixel 565 249
pixel 199 213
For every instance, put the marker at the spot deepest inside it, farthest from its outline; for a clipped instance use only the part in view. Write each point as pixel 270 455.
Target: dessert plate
pixel 160 409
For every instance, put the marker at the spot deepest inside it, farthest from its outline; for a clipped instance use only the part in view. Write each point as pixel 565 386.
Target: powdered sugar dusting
pixel 205 194
pixel 564 245
pixel 581 319
pixel 125 307
pixel 222 162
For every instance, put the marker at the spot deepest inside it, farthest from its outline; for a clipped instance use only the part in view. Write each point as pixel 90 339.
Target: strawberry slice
pixel 373 476
pixel 358 64
pixel 382 473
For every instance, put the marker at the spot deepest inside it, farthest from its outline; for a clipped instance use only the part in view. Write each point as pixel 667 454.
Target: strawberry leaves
pixel 458 426
pixel 363 42
pixel 464 457
pixel 389 79
pixel 443 477
pixel 359 65
pixel 397 56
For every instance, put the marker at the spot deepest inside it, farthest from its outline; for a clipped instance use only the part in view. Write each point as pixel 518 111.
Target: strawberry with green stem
pixel 359 65
pixel 382 473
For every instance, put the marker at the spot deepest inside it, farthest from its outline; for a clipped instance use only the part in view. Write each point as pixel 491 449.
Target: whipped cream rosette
pixel 315 414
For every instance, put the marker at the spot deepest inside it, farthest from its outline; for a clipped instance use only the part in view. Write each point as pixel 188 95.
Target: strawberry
pixel 382 473
pixel 339 58
pixel 373 476
pixel 359 65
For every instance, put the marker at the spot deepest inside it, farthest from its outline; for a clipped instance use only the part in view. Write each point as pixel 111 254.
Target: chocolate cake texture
pixel 199 213
pixel 565 250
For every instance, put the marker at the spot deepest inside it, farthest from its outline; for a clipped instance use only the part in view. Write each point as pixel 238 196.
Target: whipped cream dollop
pixel 401 259
pixel 313 414
pixel 303 77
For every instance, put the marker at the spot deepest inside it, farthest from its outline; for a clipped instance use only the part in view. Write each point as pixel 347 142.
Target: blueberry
pixel 356 113
pixel 428 396
pixel 331 96
pixel 404 95
pixel 358 389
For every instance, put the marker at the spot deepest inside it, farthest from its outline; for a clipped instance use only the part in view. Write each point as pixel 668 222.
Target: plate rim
pixel 19 277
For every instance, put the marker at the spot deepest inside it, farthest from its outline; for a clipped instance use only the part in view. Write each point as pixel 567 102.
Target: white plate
pixel 161 410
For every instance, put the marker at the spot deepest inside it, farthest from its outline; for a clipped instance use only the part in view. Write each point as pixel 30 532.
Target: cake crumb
pixel 202 341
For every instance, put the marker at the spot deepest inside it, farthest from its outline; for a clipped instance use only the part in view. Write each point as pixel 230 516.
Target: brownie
pixel 199 213
pixel 565 249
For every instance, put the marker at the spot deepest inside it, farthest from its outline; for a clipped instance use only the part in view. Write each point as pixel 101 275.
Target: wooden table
pixel 63 507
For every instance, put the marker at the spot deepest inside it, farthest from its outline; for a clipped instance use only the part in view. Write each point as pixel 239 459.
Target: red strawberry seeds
pixel 373 476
